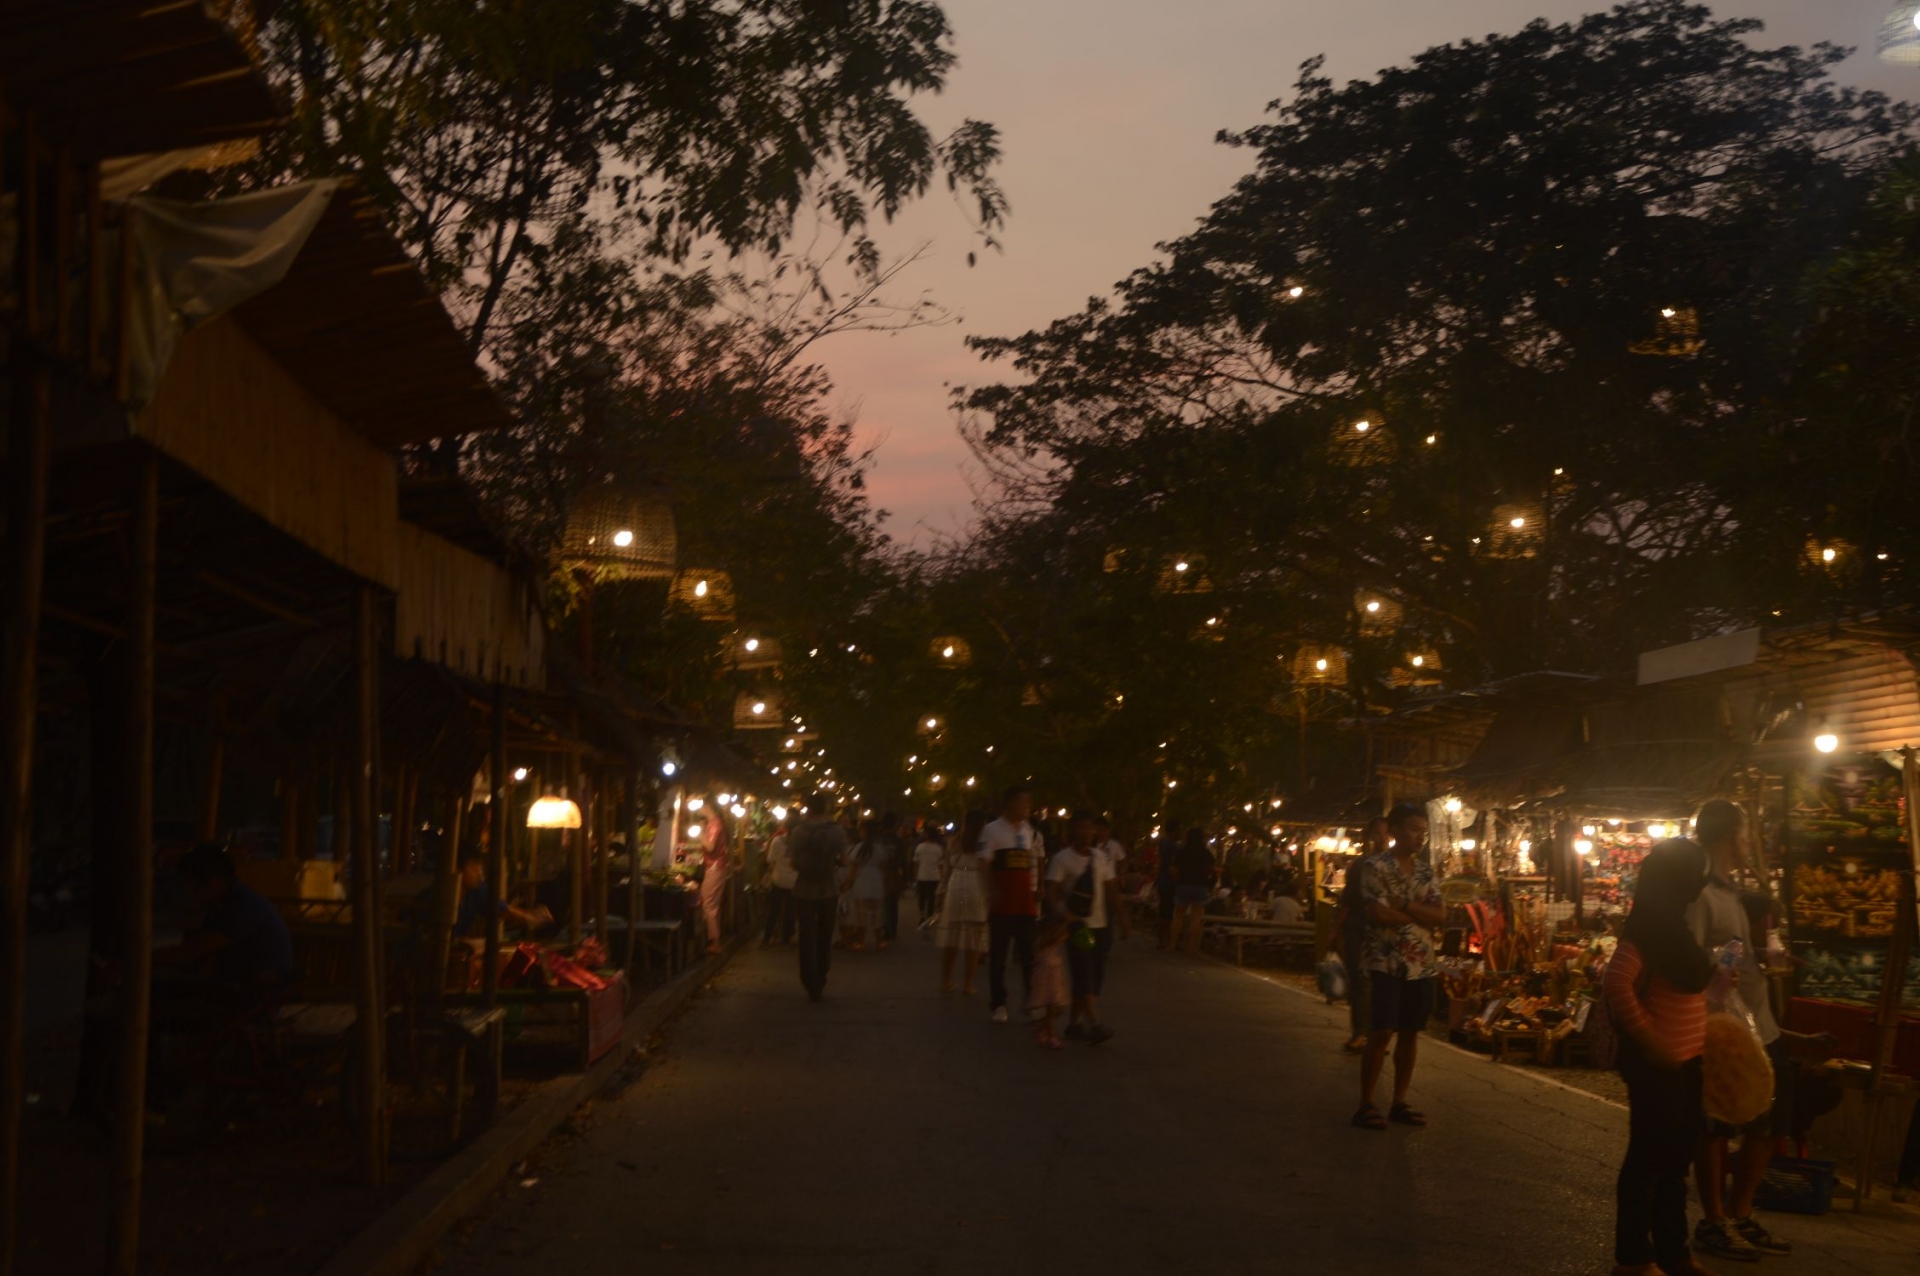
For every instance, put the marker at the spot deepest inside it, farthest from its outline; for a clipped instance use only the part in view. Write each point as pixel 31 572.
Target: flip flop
pixel 1369 1118
pixel 1401 1114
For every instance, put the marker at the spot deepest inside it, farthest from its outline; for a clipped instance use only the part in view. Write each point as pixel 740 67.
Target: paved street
pixel 891 1131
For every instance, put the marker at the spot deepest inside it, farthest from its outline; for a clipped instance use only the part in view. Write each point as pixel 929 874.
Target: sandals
pixel 1401 1114
pixel 1369 1118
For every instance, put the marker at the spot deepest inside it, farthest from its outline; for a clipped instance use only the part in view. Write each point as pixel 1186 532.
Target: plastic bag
pixel 1739 1077
pixel 1331 975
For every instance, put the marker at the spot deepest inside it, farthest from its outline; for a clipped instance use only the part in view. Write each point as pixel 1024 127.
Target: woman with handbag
pixel 1655 990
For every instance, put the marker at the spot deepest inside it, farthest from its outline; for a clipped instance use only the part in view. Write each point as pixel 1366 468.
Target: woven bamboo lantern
pixel 951 651
pixel 1115 560
pixel 707 594
pixel 1362 443
pixel 619 535
pixel 1314 665
pixel 1676 334
pixel 749 651
pixel 1380 616
pixel 1181 574
pixel 1831 555
pixel 1516 533
pixel 1899 41
pixel 757 711
pixel 1417 669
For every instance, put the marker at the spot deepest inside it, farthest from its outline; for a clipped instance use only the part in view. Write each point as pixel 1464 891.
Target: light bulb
pixel 1582 846
pixel 1525 845
pixel 1373 606
pixel 668 768
pixel 1666 312
pixel 1296 292
pixel 779 812
pixel 700 590
pixel 694 804
pixel 1826 742
pixel 1656 831
pixel 520 774
pixel 739 812
pixel 623 538
pixel 1320 665
pixel 759 707
pixel 946 653
pixel 1452 806
pixel 693 830
pixel 1517 523
pixel 1467 843
pixel 1419 661
pixel 1828 555
pixel 1432 439
pixel 753 644
pixel 1182 566
pixel 1361 427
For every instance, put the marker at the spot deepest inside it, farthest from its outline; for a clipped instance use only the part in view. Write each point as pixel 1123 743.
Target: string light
pixel 622 538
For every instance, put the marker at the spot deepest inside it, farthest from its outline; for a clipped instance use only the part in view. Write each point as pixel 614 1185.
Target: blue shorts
pixel 1191 896
pixel 1398 1005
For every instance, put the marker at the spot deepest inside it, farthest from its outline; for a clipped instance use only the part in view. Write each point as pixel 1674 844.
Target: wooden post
pixel 406 784
pixel 496 845
pixel 602 856
pixel 446 899
pixel 210 796
pixel 136 844
pixel 29 435
pixel 576 851
pixel 371 1015
pixel 636 896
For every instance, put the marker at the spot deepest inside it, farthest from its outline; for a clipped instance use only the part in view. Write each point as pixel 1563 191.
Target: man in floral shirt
pixel 1403 906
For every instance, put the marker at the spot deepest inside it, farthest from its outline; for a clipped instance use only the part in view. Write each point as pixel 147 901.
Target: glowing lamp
pixel 1583 846
pixel 1374 605
pixel 1296 292
pixel 1826 742
pixel 1899 41
pixel 553 813
pixel 779 812
pixel 623 538
pixel 1451 806
pixel 1361 427
pixel 1182 566
pixel 1320 665
pixel 752 644
pixel 519 775
pixel 1656 831
pixel 694 830
pixel 668 768
pixel 700 589
pixel 759 707
pixel 1516 523
pixel 1525 846
pixel 946 653
pixel 1419 661
pixel 739 812
pixel 1467 844
pixel 694 804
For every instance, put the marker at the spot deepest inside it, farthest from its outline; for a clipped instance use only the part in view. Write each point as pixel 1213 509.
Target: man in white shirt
pixel 781 876
pixel 1011 852
pixel 927 858
pixel 1081 883
pixel 1287 908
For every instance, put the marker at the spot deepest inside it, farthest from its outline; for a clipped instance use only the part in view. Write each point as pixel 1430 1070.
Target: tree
pixel 1485 340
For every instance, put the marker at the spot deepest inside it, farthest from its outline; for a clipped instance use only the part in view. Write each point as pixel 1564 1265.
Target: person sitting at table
pixel 241 943
pixel 473 902
pixel 1287 908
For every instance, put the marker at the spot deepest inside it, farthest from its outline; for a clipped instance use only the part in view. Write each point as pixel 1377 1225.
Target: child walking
pixel 1048 995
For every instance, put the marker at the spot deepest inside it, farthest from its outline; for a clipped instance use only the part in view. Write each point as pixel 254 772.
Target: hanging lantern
pixel 1899 41
pixel 1517 532
pixel 1362 443
pixel 1417 669
pixel 950 651
pixel 1379 615
pixel 758 711
pixel 748 651
pixel 1676 334
pixel 1831 555
pixel 553 813
pixel 619 535
pixel 707 594
pixel 1319 666
pixel 1115 560
pixel 1183 574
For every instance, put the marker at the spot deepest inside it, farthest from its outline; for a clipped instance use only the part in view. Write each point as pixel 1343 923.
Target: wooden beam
pixel 406 787
pixel 135 804
pixel 496 844
pixel 369 1062
pixel 577 852
pixel 29 447
pixel 446 899
pixel 602 869
pixel 636 898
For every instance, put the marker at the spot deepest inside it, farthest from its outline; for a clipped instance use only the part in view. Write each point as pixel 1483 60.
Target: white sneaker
pixel 999 1014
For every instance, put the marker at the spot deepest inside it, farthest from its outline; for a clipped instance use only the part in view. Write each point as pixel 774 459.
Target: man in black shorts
pixel 1403 907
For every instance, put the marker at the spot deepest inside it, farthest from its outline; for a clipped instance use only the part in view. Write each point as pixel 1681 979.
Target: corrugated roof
pixel 124 77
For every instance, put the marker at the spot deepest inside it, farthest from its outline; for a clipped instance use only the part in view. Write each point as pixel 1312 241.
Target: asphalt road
pixel 891 1131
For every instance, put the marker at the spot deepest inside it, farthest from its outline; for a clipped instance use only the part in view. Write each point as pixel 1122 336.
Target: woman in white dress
pixel 867 890
pixel 963 905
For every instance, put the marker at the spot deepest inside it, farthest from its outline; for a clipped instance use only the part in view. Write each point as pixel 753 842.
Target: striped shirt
pixel 1679 1019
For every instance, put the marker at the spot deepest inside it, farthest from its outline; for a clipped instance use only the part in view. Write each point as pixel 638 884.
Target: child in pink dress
pixel 1048 995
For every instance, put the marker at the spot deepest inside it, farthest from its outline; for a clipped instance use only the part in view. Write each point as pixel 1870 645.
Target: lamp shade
pixel 553 813
pixel 621 535
pixel 1899 41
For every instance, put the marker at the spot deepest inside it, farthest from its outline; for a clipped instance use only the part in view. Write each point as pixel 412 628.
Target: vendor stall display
pixel 1846 850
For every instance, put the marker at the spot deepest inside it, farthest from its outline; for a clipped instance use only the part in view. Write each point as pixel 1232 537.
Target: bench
pixel 1242 931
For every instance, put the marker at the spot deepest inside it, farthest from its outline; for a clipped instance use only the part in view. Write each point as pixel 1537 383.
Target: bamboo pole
pixel 371 1015
pixel 136 845
pixel 210 796
pixel 29 446
pixel 446 899
pixel 496 845
pixel 602 855
pixel 576 851
pixel 636 897
pixel 406 785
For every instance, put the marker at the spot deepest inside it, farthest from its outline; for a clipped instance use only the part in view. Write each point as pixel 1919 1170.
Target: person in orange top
pixel 1655 989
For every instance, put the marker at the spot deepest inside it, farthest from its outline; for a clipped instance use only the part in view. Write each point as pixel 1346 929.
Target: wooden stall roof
pixel 355 322
pixel 123 77
pixel 466 612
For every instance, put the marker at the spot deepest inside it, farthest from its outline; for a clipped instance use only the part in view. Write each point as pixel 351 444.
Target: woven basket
pixel 619 535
